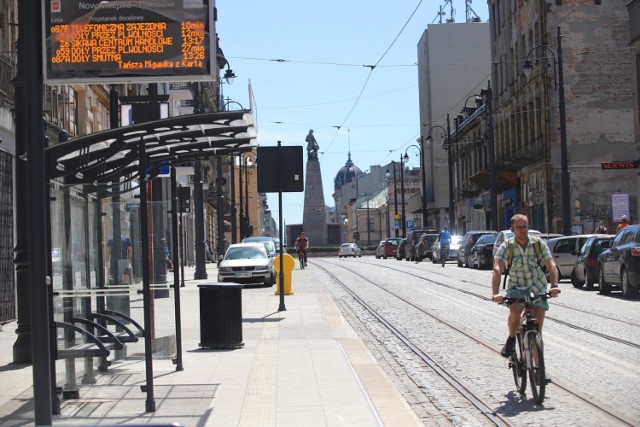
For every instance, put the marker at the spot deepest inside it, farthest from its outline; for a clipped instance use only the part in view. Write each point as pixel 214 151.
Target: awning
pixel 112 156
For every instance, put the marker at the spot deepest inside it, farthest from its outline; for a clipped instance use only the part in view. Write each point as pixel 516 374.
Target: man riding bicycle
pixel 302 245
pixel 445 243
pixel 521 256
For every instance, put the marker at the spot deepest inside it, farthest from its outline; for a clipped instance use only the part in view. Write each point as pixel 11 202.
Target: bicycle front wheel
pixel 517 366
pixel 536 368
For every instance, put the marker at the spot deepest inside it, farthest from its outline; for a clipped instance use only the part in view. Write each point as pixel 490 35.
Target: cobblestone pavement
pixel 596 368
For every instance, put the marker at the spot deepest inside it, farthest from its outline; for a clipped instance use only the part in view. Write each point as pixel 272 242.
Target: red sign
pixel 619 165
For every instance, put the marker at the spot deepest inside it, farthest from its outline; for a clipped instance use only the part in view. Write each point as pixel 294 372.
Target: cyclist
pixel 302 244
pixel 526 276
pixel 445 242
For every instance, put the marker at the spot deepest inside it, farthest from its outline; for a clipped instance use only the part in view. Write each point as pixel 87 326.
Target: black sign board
pixel 184 199
pixel 280 169
pixel 116 41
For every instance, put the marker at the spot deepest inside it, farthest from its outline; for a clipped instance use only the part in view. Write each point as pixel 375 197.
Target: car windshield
pixel 488 239
pixel 267 241
pixel 248 252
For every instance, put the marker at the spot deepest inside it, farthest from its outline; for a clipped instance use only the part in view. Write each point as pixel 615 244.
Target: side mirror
pixel 220 257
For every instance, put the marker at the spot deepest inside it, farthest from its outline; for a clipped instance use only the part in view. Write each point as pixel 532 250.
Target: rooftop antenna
pixel 469 12
pixel 442 13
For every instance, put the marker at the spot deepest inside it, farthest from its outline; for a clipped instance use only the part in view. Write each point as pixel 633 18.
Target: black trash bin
pixel 221 315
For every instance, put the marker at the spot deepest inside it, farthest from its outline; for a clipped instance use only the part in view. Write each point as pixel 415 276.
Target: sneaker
pixel 509 347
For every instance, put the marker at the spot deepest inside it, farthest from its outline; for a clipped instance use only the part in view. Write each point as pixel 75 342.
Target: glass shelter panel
pixel 97 287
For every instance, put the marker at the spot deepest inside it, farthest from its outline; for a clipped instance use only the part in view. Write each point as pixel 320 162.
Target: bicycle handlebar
pixel 512 300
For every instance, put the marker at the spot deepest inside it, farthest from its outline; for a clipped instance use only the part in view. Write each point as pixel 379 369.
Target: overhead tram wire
pixel 372 67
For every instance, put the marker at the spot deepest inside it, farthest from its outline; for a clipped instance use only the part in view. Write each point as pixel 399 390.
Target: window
pixel 564 246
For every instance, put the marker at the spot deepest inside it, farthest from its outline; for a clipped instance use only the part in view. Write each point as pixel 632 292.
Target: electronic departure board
pixel 120 41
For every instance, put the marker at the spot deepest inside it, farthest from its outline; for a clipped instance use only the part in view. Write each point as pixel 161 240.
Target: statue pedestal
pixel 314 219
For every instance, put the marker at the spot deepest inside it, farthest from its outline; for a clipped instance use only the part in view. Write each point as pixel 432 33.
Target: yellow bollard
pixel 288 263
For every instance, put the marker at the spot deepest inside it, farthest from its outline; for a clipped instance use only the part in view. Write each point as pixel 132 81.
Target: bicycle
pixel 301 258
pixel 528 356
pixel 444 254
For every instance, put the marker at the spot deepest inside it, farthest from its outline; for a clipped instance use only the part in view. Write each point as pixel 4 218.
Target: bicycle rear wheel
pixel 301 259
pixel 517 366
pixel 536 369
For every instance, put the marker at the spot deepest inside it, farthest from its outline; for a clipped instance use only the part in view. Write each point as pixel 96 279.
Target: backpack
pixel 510 248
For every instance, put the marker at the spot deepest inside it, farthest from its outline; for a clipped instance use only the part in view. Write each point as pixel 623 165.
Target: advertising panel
pixel 620 206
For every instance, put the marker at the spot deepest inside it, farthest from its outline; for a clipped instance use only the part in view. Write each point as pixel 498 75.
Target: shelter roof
pixel 113 156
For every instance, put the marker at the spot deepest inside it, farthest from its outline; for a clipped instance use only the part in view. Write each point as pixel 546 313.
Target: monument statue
pixel 312 145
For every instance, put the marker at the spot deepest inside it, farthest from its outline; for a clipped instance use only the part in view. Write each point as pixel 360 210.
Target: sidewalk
pixel 303 366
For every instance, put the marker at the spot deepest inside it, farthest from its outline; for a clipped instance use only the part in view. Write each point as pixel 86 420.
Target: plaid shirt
pixel 525 274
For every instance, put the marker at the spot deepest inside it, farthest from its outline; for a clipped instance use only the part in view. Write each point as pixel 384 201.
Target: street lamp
pixel 403 218
pixel 446 144
pixel 395 196
pixel 485 98
pixel 564 161
pixel 422 175
pixel 368 197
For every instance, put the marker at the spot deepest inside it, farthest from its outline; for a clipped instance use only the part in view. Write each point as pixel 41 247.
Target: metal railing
pixel 7 71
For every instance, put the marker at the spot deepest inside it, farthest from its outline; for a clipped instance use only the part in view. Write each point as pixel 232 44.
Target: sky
pixel 346 69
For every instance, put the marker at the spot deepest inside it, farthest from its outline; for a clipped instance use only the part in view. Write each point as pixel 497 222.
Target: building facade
pixel 454 64
pixel 593 72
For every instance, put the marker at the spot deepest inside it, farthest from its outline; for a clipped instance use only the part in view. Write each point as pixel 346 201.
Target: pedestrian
pixel 601 229
pixel 208 252
pixel 121 270
pixel 622 224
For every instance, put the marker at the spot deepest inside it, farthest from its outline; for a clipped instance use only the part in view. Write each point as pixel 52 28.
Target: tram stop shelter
pixel 106 308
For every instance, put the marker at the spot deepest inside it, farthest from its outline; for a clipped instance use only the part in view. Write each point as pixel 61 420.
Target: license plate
pixel 243 274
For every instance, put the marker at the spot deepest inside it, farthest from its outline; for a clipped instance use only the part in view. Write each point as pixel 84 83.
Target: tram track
pixel 483 407
pixel 547 317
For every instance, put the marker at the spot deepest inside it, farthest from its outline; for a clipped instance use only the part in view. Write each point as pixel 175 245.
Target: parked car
pixel 400 250
pixel 380 249
pixel 268 242
pixel 424 249
pixel 389 247
pixel 585 270
pixel 620 264
pixel 481 254
pixel 506 234
pixel 247 263
pixel 470 238
pixel 349 249
pixel 453 249
pixel 413 238
pixel 565 250
pixel 547 236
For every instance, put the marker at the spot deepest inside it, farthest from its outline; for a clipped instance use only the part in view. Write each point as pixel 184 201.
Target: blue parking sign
pixel 410 224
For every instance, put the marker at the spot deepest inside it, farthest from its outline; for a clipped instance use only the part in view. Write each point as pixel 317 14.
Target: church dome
pixel 347 173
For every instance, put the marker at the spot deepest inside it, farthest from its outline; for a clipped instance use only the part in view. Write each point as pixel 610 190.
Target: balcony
pixel 504 179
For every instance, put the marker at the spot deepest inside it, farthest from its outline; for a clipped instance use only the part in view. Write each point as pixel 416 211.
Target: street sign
pixel 410 224
pixel 397 224
pixel 396 216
